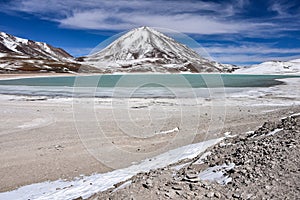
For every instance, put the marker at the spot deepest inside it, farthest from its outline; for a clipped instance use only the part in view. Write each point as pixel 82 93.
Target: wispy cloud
pixel 78 51
pixel 245 60
pixel 199 17
pixel 283 8
pixel 233 20
pixel 250 53
pixel 254 48
pixel 188 23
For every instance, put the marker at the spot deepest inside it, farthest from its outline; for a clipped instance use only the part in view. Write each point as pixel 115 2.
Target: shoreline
pixel 33 75
pixel 48 74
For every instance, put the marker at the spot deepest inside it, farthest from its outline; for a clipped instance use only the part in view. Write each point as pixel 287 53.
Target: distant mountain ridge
pixel 23 47
pixel 139 50
pixel 23 55
pixel 291 67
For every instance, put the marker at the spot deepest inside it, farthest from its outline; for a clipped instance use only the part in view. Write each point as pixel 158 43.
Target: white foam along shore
pixel 89 185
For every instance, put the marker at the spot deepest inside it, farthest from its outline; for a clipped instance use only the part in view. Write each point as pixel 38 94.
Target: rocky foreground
pixel 263 164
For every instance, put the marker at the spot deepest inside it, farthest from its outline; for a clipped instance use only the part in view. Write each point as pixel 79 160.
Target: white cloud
pixel 77 51
pixel 241 59
pixel 185 16
pixel 196 17
pixel 188 23
pixel 282 8
pixel 250 49
pixel 153 6
pixel 250 53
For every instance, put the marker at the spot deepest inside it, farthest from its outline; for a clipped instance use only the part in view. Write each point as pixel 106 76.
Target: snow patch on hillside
pixel 295 61
pixel 273 67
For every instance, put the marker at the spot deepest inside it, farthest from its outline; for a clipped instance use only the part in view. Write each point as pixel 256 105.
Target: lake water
pixel 138 85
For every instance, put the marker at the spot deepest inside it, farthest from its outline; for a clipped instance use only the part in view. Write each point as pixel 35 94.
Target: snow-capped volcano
pixel 145 49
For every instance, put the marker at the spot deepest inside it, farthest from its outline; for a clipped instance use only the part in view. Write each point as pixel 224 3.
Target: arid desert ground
pixel 46 138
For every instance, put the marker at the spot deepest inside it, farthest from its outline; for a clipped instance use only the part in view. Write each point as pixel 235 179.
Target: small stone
pixel 210 195
pixel 58 147
pixel 191 176
pixel 170 194
pixel 268 187
pixel 176 187
pixel 149 182
pixel 132 197
pixel 145 185
pixel 179 193
pixel 193 187
pixel 217 195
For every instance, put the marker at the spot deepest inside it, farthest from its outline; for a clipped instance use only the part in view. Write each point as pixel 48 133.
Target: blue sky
pixel 233 31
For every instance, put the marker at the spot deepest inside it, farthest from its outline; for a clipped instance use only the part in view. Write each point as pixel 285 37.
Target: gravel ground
pixel 263 164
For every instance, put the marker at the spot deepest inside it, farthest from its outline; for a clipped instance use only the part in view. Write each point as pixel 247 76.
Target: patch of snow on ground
pixel 293 115
pixel 178 167
pixel 90 185
pixel 176 129
pixel 203 157
pixel 249 132
pixel 123 185
pixel 21 40
pixel 295 61
pixel 275 131
pixel 3 54
pixel 3 65
pixel 33 123
pixel 10 45
pixel 216 173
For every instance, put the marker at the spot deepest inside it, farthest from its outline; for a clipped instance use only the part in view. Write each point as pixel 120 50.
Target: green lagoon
pixel 154 80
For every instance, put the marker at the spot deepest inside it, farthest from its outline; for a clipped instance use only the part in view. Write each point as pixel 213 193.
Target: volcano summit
pixel 146 50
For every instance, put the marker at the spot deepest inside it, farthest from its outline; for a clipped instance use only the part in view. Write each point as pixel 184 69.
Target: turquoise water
pixel 154 80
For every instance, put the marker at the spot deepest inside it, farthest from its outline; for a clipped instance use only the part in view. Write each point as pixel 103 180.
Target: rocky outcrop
pixel 264 164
